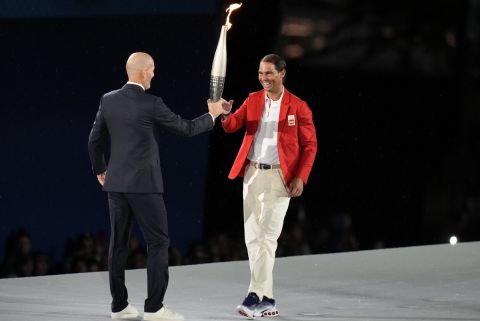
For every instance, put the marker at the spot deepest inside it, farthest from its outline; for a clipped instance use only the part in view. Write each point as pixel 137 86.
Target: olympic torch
pixel 219 66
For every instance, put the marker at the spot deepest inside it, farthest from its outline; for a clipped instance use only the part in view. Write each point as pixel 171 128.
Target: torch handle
pixel 216 87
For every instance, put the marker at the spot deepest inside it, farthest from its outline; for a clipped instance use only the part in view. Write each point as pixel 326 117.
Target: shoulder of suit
pixel 292 97
pixel 256 93
pixel 113 92
pixel 122 89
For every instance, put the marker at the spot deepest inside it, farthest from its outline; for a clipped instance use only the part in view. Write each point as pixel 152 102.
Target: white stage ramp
pixel 431 283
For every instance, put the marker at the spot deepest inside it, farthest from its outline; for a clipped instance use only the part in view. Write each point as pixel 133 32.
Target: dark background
pixel 393 86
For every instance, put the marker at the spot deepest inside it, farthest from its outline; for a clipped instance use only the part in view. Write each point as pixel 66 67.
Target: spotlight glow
pixel 453 240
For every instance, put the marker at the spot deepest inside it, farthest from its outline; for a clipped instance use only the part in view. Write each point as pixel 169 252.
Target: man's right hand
pixel 101 178
pixel 216 108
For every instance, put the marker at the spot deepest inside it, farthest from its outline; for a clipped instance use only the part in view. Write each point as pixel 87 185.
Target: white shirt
pixel 264 149
pixel 136 83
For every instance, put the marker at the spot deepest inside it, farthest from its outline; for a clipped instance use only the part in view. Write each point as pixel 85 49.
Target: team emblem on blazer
pixel 291 120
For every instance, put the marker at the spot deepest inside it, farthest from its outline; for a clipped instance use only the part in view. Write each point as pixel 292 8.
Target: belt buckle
pixel 262 166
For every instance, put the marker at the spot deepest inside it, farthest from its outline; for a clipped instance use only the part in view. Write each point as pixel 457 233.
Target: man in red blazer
pixel 275 159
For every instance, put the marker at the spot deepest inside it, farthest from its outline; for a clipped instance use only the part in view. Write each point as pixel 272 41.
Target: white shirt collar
pixel 279 99
pixel 136 83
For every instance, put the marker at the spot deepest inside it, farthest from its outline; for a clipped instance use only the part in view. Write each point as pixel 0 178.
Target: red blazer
pixel 297 141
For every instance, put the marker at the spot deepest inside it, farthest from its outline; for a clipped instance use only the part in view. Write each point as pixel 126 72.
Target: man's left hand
pixel 227 107
pixel 295 188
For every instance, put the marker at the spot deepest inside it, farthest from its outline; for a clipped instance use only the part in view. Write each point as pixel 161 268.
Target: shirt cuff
pixel 213 118
pixel 224 117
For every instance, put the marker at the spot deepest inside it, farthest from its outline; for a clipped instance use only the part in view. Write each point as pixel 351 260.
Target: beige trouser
pixel 265 203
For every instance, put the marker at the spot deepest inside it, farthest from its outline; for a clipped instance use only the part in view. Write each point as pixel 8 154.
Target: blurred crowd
pixel 88 252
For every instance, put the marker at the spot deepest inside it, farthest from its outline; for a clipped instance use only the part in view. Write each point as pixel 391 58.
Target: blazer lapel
pixel 284 107
pixel 254 112
pixel 260 106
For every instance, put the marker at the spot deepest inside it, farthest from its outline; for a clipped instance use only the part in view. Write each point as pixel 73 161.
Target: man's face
pixel 149 73
pixel 270 78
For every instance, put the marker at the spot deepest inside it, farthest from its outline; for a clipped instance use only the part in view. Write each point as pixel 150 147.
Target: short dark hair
pixel 276 60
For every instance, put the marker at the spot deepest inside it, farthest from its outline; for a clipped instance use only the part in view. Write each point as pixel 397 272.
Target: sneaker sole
pixel 270 313
pixel 126 317
pixel 160 318
pixel 246 313
pixel 267 313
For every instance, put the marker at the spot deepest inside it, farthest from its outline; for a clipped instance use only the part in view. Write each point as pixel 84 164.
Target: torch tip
pixel 230 9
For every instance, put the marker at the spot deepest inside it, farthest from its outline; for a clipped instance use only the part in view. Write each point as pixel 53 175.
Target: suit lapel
pixel 284 107
pixel 260 105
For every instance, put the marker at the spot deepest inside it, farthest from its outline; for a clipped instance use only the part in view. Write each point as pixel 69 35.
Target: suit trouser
pixel 265 203
pixel 151 215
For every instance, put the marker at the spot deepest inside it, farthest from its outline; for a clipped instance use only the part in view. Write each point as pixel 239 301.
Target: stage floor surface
pixel 426 283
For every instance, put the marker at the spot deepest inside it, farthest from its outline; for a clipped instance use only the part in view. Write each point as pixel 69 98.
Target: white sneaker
pixel 130 312
pixel 163 314
pixel 266 308
pixel 246 312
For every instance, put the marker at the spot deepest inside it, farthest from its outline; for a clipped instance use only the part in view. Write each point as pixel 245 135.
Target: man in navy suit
pixel 130 119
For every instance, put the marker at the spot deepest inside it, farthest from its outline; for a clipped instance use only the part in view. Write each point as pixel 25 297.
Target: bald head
pixel 140 68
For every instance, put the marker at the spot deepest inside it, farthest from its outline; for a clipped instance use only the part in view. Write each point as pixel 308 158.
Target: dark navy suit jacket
pixel 130 118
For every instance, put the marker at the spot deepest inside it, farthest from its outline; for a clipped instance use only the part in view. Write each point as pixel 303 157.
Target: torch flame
pixel 230 9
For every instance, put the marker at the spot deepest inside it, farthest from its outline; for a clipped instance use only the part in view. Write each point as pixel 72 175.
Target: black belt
pixel 264 166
